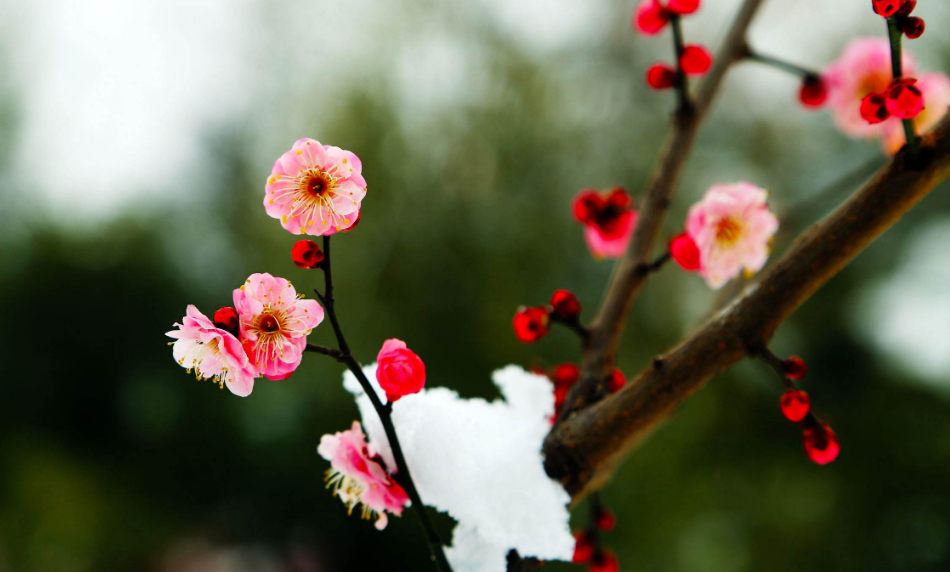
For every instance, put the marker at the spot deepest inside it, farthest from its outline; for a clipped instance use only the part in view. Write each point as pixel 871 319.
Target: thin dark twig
pixel 330 352
pixel 894 34
pixel 580 329
pixel 403 476
pixel 660 262
pixel 781 64
pixel 681 83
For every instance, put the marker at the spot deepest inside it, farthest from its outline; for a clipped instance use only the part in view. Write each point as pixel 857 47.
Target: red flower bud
pixel 616 381
pixel 874 108
pixel 795 367
pixel 795 405
pixel 565 304
pixel 907 6
pixel 307 254
pixel 531 324
pixel 650 17
pixel 904 99
pixel 565 374
pixel 619 198
pixel 661 76
pixel 400 371
pixel 227 319
pixel 821 443
pixel 605 520
pixel 814 92
pixel 696 60
pixel 886 8
pixel 913 27
pixel 683 6
pixel 684 251
pixel 604 562
pixel 583 548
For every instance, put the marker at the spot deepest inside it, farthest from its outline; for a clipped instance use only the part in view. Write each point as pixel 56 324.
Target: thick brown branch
pixel 633 268
pixel 581 451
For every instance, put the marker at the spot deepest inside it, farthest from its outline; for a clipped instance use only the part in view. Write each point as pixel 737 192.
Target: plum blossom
pixel 863 68
pixel 315 189
pixel 732 227
pixel 212 352
pixel 480 461
pixel 608 220
pixel 401 372
pixel 275 323
pixel 935 88
pixel 358 476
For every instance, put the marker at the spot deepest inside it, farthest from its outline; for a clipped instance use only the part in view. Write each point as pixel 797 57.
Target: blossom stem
pixel 681 83
pixel 781 64
pixel 895 35
pixel 575 325
pixel 403 476
pixel 659 262
pixel 322 350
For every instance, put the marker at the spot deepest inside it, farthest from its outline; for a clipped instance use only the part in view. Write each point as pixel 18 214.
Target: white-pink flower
pixel 315 189
pixel 275 323
pixel 935 88
pixel 358 475
pixel 732 227
pixel 863 68
pixel 212 352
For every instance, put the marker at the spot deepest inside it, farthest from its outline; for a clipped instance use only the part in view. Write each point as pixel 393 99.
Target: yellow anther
pixel 299 151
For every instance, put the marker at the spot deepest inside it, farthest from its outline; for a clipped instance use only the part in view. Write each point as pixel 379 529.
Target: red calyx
pixel 904 99
pixel 821 443
pixel 814 92
pixel 604 562
pixel 913 27
pixel 608 213
pixel 683 7
pixel 616 381
pixel 566 306
pixel 650 17
pixel 661 76
pixel 565 374
pixel 907 6
pixel 307 254
pixel 605 520
pixel 531 324
pixel 583 548
pixel 795 405
pixel 684 251
pixel 874 108
pixel 227 319
pixel 795 367
pixel 886 8
pixel 696 60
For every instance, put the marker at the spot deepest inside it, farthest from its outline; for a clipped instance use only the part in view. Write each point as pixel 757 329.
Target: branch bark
pixel 633 268
pixel 582 450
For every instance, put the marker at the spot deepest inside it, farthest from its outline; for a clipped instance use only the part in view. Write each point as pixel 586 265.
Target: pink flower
pixel 275 323
pixel 400 372
pixel 315 189
pixel 608 220
pixel 358 475
pixel 864 68
pixel 936 90
pixel 212 352
pixel 732 227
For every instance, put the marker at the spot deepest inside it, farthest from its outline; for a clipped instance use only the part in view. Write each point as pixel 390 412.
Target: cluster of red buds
pixel 532 323
pixel 588 548
pixel 902 99
pixel 650 18
pixel 566 375
pixel 911 26
pixel 821 443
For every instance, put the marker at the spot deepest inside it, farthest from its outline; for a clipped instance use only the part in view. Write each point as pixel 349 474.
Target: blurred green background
pixel 134 146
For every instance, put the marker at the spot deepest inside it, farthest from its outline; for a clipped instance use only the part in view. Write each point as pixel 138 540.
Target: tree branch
pixel 632 270
pixel 583 449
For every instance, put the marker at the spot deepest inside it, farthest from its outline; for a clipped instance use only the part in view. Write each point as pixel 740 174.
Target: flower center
pixel 269 324
pixel 728 231
pixel 316 183
pixel 873 83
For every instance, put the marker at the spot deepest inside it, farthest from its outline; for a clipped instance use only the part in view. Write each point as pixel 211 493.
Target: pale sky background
pixel 118 95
